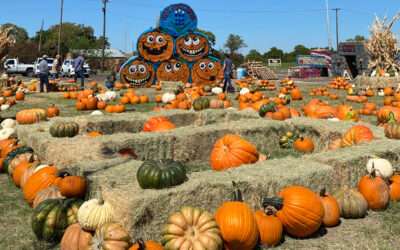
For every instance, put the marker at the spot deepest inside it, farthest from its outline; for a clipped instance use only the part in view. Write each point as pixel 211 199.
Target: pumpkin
pixel 80 105
pixel 356 135
pixel 31 116
pixel 45 194
pixel 216 104
pixel 382 167
pixel 395 187
pixel 167 97
pixel 64 129
pixel 232 151
pixel 137 73
pixel 334 96
pixel 163 126
pixel 269 226
pixel 265 108
pixel 155 46
pixel 287 140
pixel 127 152
pixel 375 191
pixel 19 96
pixel 51 217
pixel 336 144
pixel 22 167
pixel 8 123
pixel 192 46
pixel 149 245
pixel 351 202
pixel 14 153
pixel 191 228
pixel 75 238
pixel 388 91
pixel 331 209
pixel 94 213
pixel 52 111
pixel 27 173
pixel 392 130
pixel 72 185
pixel 9 148
pixel 119 108
pixel 295 94
pixel 201 103
pixel 384 114
pixel 172 70
pixel 148 126
pixel 304 144
pixel 299 209
pixel 20 158
pixel 111 236
pixel 237 223
pixel 369 105
pixel 346 113
pixel 161 174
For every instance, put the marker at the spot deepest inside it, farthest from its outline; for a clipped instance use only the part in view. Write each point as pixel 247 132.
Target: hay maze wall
pixel 144 212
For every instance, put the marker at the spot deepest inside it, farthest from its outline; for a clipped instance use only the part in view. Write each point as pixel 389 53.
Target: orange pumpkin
pixel 148 245
pixel 395 187
pixel 388 100
pixel 346 113
pixel 331 209
pixel 375 191
pixel 384 113
pixel 356 135
pixel 19 96
pixel 75 237
pixel 21 168
pixel 192 46
pixel 163 126
pixel 155 46
pixel 269 226
pixel 304 144
pixel 388 91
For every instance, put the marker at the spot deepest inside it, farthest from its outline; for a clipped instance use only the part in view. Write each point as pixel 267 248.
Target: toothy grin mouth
pixel 192 52
pixel 137 82
pixel 155 52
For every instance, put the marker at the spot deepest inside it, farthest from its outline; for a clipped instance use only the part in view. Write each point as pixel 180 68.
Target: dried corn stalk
pixel 383 46
pixel 5 42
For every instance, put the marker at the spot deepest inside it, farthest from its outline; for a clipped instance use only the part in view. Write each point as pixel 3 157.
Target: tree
pixel 73 36
pixel 209 35
pixel 237 59
pixel 25 52
pixel 357 38
pixel 234 43
pixel 274 52
pixel 253 55
pixel 298 50
pixel 20 34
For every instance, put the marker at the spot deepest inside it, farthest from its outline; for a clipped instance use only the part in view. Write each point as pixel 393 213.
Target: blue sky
pixel 261 23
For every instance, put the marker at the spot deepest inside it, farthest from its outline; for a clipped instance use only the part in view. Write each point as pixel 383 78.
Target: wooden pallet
pixel 257 70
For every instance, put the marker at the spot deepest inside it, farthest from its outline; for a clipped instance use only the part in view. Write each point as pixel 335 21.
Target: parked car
pixel 67 69
pixel 49 62
pixel 13 66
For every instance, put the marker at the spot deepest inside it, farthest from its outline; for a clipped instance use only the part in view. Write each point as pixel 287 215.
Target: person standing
pixel 44 74
pixel 228 65
pixel 78 67
pixel 56 67
pixel 110 81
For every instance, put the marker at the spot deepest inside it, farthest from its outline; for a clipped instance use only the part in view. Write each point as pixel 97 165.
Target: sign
pixel 274 62
pixel 177 19
pixel 349 48
pixel 312 60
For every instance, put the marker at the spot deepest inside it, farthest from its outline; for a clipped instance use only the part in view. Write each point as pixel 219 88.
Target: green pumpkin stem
pixel 275 202
pixel 142 245
pixel 237 194
pixel 391 117
pixel 322 193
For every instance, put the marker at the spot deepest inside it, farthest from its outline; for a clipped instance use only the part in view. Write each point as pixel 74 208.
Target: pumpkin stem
pixel 322 193
pixel 142 245
pixel 64 172
pixel 237 194
pixel 32 158
pixel 269 210
pixel 373 171
pixel 100 198
pixel 275 202
pixel 15 143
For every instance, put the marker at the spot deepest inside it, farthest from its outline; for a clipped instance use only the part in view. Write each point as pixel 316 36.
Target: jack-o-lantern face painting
pixel 192 46
pixel 173 70
pixel 138 73
pixel 155 46
pixel 207 71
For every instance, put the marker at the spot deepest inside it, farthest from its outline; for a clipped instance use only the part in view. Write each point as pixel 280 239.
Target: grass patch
pixel 278 153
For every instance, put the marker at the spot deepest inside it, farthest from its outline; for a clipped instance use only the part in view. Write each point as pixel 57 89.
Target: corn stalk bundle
pixel 5 42
pixel 383 45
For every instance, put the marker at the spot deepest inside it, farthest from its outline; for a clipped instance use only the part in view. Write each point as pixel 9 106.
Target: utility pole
pixel 59 28
pixel 329 29
pixel 104 35
pixel 125 36
pixel 40 36
pixel 337 28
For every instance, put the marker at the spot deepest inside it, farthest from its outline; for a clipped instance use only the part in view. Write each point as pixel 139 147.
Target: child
pixel 110 81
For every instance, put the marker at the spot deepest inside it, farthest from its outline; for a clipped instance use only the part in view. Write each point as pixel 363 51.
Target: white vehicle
pixel 13 66
pixel 67 69
pixel 49 62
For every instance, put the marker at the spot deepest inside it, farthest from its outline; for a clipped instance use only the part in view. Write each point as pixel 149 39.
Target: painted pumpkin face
pixel 173 70
pixel 138 73
pixel 192 46
pixel 155 46
pixel 207 71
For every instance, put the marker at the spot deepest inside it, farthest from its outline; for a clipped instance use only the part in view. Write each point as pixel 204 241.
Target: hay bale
pixel 168 85
pixel 143 212
pixel 376 83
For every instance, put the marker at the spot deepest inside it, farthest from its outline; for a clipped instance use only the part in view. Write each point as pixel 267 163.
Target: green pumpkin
pixel 254 88
pixel 201 103
pixel 64 129
pixel 178 90
pixel 288 139
pixel 51 217
pixel 161 174
pixel 267 107
pixel 14 154
pixel 287 98
pixel 207 89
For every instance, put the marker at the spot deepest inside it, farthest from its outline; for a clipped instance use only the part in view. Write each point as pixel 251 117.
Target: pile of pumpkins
pixel 339 83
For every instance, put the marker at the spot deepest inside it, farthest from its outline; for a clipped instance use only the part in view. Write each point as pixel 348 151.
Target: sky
pixel 261 23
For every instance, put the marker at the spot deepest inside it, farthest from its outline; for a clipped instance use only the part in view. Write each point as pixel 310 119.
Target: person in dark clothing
pixel 44 74
pixel 228 66
pixel 78 67
pixel 110 82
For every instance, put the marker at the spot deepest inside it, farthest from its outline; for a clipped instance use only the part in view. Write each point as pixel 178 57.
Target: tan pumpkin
pixel 94 213
pixel 216 104
pixel 20 159
pixel 75 238
pixel 45 194
pixel 191 228
pixel 110 236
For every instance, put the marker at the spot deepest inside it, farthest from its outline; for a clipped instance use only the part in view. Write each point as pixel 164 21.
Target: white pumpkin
pixel 8 123
pixel 94 213
pixel 383 167
pixel 111 94
pixel 4 107
pixel 374 73
pixel 6 133
pixel 96 112
pixel 244 91
pixel 381 93
pixel 103 97
pixel 386 75
pixel 216 90
pixel 167 97
pixel 40 167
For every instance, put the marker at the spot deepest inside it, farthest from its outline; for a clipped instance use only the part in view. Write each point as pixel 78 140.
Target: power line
pixel 59 28
pixel 329 28
pixel 104 35
pixel 337 28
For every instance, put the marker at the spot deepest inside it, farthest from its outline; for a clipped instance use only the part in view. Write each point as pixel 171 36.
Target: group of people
pixel 56 68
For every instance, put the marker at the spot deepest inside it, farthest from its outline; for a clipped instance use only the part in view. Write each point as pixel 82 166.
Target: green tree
pixel 20 34
pixel 209 34
pixel 73 36
pixel 273 52
pixel 297 51
pixel 25 52
pixel 254 55
pixel 357 38
pixel 237 59
pixel 234 43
